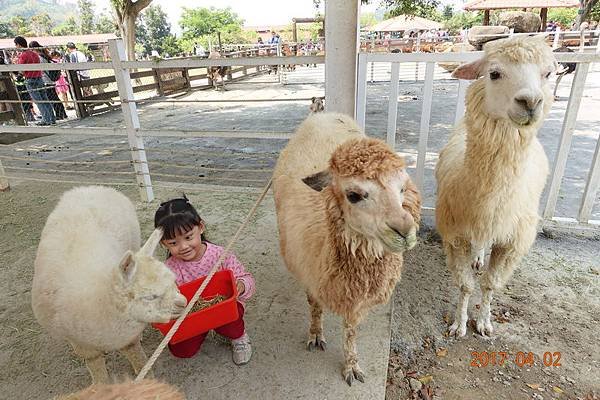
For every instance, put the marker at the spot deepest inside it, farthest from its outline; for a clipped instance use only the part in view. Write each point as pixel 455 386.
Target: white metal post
pixel 132 122
pixel 393 105
pixel 425 119
pixel 460 101
pixel 341 39
pixel 565 137
pixel 591 187
pixel 361 90
pixel 556 40
pixel 4 185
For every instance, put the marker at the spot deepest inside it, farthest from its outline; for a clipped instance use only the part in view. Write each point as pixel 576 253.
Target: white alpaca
pixel 346 211
pixel 93 285
pixel 492 172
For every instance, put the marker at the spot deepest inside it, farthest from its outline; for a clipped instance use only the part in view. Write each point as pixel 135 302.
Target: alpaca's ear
pixel 312 99
pixel 152 242
pixel 127 266
pixel 412 201
pixel 470 71
pixel 319 180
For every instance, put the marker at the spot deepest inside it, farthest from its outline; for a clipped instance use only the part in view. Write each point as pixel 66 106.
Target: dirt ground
pixel 552 304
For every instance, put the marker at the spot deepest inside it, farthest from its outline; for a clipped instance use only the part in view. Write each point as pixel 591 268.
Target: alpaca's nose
pixel 529 103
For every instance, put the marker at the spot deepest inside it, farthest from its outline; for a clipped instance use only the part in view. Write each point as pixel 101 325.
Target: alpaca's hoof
pixel 484 327
pixel 351 373
pixel 457 329
pixel 316 342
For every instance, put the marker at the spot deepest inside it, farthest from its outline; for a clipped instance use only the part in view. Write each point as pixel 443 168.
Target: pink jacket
pixel 186 271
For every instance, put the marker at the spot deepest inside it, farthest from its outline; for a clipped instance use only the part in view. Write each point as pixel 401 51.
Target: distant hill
pixel 56 9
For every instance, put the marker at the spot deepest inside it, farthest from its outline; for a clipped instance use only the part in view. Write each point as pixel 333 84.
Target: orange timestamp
pixel 482 359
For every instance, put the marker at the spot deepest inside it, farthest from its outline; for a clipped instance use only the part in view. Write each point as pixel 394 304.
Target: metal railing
pixel 583 60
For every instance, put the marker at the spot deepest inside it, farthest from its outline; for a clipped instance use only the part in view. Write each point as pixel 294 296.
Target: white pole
pixel 132 122
pixel 556 40
pixel 342 41
pixel 4 185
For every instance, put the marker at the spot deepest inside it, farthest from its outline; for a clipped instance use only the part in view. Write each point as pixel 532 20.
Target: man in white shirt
pixel 77 56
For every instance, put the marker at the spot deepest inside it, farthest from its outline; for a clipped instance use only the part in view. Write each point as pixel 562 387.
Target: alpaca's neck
pixel 346 242
pixel 494 147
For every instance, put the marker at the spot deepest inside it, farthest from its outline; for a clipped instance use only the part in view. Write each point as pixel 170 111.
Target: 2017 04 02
pixel 482 359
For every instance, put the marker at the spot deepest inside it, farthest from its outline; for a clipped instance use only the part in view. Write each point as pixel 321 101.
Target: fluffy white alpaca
pixel 93 285
pixel 346 212
pixel 492 172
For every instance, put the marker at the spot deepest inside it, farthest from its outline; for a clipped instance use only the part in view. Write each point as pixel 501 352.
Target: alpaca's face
pixel 517 92
pixel 153 294
pixel 376 210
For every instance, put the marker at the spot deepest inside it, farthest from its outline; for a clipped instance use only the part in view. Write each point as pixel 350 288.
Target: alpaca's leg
pixel 458 258
pixel 556 85
pixel 477 256
pixel 136 356
pixel 503 261
pixel 315 334
pixel 351 370
pixel 94 361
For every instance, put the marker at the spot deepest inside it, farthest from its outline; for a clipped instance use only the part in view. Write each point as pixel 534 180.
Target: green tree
pixel 154 32
pixel 448 12
pixel 86 16
pixel 200 22
pixel 41 24
pixel 6 30
pixel 420 8
pixel 462 20
pixel 126 12
pixel 105 24
pixel 566 16
pixel 69 27
pixel 366 20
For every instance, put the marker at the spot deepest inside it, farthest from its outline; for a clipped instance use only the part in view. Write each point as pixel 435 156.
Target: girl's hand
pixel 241 288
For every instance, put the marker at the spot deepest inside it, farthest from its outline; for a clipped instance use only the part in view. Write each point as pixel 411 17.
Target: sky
pixel 254 12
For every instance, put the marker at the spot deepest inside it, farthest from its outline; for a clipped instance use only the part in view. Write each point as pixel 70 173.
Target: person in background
pixel 49 78
pixel 77 56
pixel 62 86
pixel 34 82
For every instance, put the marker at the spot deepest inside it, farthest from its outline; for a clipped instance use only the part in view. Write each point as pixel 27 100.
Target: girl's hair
pixel 34 44
pixel 177 216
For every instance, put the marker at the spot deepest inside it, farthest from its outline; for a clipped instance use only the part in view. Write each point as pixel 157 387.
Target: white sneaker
pixel 241 350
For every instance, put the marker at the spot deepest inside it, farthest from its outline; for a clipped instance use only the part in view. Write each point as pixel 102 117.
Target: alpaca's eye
pixel 403 190
pixel 354 197
pixel 494 75
pixel 151 297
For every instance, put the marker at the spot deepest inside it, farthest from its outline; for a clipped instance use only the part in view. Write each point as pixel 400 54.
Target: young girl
pixel 190 257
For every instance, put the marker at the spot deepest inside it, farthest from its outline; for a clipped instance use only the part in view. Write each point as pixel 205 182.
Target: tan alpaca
pixel 346 211
pixel 147 389
pixel 492 172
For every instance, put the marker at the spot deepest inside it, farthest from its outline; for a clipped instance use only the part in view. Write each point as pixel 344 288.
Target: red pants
pixel 188 348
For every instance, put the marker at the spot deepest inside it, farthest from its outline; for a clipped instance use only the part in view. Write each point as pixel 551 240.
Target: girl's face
pixel 186 246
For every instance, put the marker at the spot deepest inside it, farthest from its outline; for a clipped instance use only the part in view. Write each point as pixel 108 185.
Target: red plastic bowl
pixel 211 317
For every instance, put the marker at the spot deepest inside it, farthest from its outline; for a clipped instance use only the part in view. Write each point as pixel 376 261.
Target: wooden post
pixel 132 122
pixel 294 31
pixel 4 185
pixel 544 17
pixel 76 94
pixel 13 94
pixel 341 38
pixel 486 17
pixel 219 40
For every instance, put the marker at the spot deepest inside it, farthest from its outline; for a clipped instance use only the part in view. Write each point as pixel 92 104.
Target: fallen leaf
pixel 447 318
pixel 426 393
pixel 477 306
pixel 534 386
pixel 411 374
pixel 501 319
pixel 426 379
pixel 442 352
pixel 556 389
